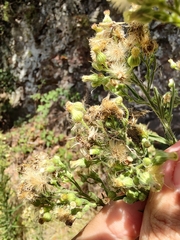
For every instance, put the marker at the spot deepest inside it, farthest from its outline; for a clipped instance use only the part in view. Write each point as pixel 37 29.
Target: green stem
pixel 173 9
pixel 156 109
pixel 176 3
pixel 151 69
pixel 126 110
pixel 86 196
pixel 172 103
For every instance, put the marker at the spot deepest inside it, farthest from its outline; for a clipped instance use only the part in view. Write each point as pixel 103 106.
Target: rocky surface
pixel 49 44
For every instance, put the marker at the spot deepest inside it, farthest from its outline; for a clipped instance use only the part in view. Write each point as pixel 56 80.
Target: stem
pixel 86 196
pixel 126 110
pixel 157 110
pixel 172 103
pixel 168 131
pixel 150 72
pixel 173 9
pixel 176 3
pixel 84 124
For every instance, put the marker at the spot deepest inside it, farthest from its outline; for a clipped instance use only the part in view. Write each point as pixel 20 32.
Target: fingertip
pixel 171 169
pixel 117 220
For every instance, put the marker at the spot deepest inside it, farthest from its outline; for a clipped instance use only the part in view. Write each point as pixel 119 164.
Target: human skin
pixel 156 219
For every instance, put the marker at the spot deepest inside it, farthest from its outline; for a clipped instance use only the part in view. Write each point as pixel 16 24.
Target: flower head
pixel 34 180
pixel 115 52
pixel 98 44
pixel 120 71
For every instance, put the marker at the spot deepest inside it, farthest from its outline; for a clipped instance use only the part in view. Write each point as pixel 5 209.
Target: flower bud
pixel 72 206
pixel 146 143
pixel 147 161
pixel 77 116
pixel 75 106
pixel 90 78
pixel 53 182
pixel 94 151
pixel 94 85
pixel 51 169
pixel 78 163
pixel 131 196
pixel 96 79
pixel 125 182
pixel 136 180
pixel 97 28
pixel 171 83
pixel 79 202
pixel 134 61
pixel 145 178
pixel 161 156
pixel 64 197
pixel 47 217
pixel 118 100
pixel 172 63
pixel 107 18
pixel 101 58
pixel 56 160
pixel 142 196
pixel 86 208
pixel 71 197
pixel 98 67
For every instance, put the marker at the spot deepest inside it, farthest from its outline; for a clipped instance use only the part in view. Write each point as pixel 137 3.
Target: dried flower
pixel 109 107
pixel 98 44
pixel 118 150
pixel 34 180
pixel 63 214
pixel 118 33
pixel 167 98
pixel 149 46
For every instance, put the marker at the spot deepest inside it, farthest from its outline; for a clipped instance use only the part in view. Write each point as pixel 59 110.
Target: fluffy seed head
pixel 119 71
pixel 115 52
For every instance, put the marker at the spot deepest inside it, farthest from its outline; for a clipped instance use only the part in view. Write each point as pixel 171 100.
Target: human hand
pixel 156 219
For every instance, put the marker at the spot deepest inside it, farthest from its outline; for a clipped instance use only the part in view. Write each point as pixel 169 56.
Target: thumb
pixel 161 219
